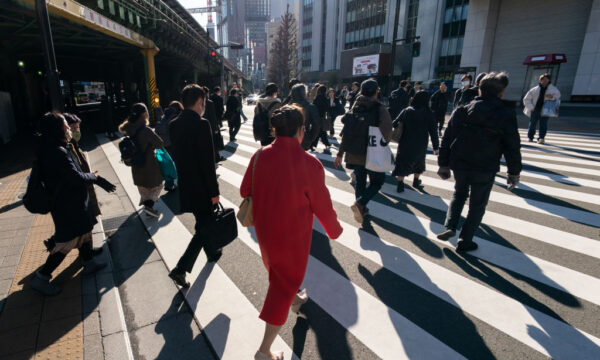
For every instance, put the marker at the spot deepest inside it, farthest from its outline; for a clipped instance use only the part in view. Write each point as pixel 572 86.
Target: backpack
pixel 356 130
pixel 260 124
pixel 131 154
pixel 37 198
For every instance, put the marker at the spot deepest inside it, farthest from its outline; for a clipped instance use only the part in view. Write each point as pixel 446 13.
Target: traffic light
pixel 213 53
pixel 416 49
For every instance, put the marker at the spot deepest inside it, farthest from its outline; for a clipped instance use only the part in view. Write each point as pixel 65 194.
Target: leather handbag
pixel 244 214
pixel 225 227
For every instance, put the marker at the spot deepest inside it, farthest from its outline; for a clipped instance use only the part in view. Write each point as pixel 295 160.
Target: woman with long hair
pixel 322 105
pixel 419 124
pixel 146 176
pixel 288 189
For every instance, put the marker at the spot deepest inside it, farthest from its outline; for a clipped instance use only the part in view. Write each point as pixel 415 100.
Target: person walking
pixel 414 89
pixel 399 99
pixel 265 108
pixel 439 106
pixel 217 99
pixel 210 114
pixel 353 94
pixel 198 186
pixel 343 96
pixel 291 83
pixel 312 120
pixel 288 189
pixel 322 105
pixel 234 107
pixel 72 215
pixel 334 109
pixel 465 82
pixel 162 127
pixel 147 176
pixel 241 97
pixel 418 126
pixel 471 93
pixel 534 101
pixel 477 137
pixel 368 107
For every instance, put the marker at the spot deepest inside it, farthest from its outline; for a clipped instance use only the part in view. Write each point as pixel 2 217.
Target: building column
pixel 152 94
pixel 480 31
pixel 587 78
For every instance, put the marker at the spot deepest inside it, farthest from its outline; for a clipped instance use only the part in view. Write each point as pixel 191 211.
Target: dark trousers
pixel 479 184
pixel 536 116
pixel 234 126
pixel 365 193
pixel 440 118
pixel 201 239
pixel 324 139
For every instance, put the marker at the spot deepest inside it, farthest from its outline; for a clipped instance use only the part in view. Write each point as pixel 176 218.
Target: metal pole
pixel 394 36
pixel 221 46
pixel 49 56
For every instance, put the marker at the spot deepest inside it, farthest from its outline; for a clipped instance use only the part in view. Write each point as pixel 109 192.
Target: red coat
pixel 289 189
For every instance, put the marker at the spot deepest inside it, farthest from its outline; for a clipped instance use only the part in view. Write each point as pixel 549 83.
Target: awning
pixel 545 59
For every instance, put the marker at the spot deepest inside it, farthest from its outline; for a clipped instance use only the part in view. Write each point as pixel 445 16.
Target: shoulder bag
pixel 244 214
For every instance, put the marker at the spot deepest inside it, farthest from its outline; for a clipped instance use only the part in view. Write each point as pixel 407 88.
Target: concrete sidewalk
pixel 129 310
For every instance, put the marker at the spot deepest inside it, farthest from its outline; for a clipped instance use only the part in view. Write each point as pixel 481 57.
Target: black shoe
pixel 50 244
pixel 530 140
pixel 400 187
pixel 214 258
pixel 464 246
pixel 179 278
pixel 445 235
pixel 417 183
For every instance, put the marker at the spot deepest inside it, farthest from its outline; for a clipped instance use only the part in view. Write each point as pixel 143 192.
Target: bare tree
pixel 283 61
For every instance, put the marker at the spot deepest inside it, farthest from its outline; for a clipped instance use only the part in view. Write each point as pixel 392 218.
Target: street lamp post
pixel 53 81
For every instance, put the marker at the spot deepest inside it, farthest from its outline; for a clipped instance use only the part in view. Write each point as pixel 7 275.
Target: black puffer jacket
pixel 479 134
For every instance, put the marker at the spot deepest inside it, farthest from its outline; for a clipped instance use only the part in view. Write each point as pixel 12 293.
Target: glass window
pixel 452 47
pixel 465 12
pixel 444 50
pixel 448 16
pixel 459 45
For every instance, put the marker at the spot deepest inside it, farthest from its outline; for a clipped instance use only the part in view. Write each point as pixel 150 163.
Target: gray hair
pixel 493 84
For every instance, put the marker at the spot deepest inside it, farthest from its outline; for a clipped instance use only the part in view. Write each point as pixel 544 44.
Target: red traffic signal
pixel 213 53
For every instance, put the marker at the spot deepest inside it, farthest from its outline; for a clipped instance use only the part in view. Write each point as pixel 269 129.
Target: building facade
pixel 443 40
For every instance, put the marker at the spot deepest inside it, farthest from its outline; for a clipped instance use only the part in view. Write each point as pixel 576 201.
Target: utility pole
pixel 49 57
pixel 394 37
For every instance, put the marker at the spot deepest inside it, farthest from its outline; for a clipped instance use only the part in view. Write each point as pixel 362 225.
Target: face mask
pixel 77 135
pixel 466 83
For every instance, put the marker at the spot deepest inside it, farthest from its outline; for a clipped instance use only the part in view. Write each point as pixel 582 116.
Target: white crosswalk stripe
pixel 524 303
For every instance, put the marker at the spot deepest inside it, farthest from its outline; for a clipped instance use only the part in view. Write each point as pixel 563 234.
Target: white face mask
pixel 466 83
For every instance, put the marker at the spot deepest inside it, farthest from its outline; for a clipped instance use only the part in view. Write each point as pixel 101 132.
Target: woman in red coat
pixel 289 189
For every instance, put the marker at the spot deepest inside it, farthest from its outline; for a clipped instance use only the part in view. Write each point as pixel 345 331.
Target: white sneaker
pixel 541 141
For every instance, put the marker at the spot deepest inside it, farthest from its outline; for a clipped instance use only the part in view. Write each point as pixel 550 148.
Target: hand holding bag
pixel 225 227
pixel 379 154
pixel 244 214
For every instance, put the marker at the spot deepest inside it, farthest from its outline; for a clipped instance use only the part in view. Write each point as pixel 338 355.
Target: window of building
pixel 453 34
pixel 411 19
pixel 364 18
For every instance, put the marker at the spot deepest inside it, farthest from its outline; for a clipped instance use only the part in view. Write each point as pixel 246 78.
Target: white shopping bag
pixel 379 154
pixel 550 108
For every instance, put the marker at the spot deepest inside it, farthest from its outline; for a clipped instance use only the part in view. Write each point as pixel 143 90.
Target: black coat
pixel 479 134
pixel 419 126
pixel 233 109
pixel 469 95
pixel 399 100
pixel 194 157
pixel 312 121
pixel 71 212
pixel 439 103
pixel 219 107
pixel 210 114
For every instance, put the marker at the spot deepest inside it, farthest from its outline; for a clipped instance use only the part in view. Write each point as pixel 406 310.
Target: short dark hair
pixel 216 89
pixel 356 84
pixel 420 100
pixel 479 77
pixel 403 83
pixel 287 120
pixel 493 84
pixel 546 76
pixel 71 118
pixel 466 76
pixel 52 126
pixel 321 90
pixel 299 91
pixel 271 89
pixel 176 105
pixel 190 95
pixel 292 82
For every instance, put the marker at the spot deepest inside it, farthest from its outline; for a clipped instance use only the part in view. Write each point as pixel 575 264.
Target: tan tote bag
pixel 244 214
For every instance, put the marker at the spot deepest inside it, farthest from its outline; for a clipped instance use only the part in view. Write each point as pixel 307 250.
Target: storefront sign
pixel 365 65
pixel 106 23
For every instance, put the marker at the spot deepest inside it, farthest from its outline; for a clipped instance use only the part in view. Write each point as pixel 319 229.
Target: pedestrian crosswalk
pixel 390 289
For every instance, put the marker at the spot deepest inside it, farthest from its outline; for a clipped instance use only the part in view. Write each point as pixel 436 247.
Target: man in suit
pixel 193 152
pixel 210 114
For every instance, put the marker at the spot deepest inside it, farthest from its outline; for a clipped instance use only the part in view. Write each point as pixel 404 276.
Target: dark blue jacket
pixel 71 211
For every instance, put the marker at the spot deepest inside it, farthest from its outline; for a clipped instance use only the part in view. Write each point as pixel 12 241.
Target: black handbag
pixel 225 227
